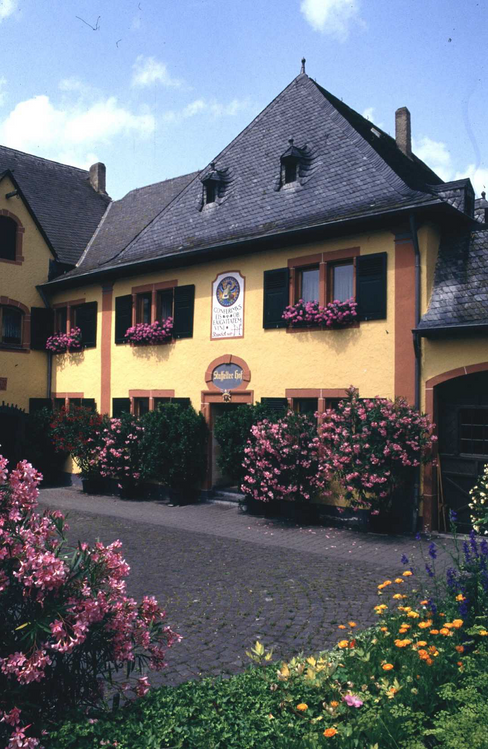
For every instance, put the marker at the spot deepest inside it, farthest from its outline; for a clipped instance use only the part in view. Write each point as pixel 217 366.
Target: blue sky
pixel 156 88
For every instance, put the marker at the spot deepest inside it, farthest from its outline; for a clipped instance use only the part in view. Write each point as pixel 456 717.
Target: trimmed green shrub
pixel 174 448
pixel 39 448
pixel 232 430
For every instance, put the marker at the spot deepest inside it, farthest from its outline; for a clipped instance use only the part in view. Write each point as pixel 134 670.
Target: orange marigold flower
pixel 407 573
pixel 399 580
pixel 460 664
pixel 460 648
pixel 403 630
pixel 483 633
pixel 424 625
pixel 352 624
pixel 398 596
pixel 384 629
pixel 342 626
pixel 424 603
pixel 413 615
pixel 434 631
pixel 421 643
pixel 460 597
pixel 383 585
pixel 334 703
pixel 402 643
pixel 387 666
pixel 329 732
pixel 343 643
pixel 458 623
pixel 429 661
pixel 444 631
pixel 302 706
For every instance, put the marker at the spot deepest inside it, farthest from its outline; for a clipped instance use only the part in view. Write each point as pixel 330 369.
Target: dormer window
pixel 290 164
pixel 210 192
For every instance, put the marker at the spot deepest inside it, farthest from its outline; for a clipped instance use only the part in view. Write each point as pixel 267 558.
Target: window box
pixel 60 343
pixel 150 334
pixel 333 315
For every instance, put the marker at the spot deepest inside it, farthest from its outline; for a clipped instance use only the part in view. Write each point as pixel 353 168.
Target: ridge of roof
pixel 42 158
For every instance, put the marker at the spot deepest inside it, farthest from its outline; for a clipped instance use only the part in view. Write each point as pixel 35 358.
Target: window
pixel 290 171
pixel 11 319
pixel 160 402
pixel 8 238
pixel 305 405
pixel 143 308
pixel 210 192
pixel 141 406
pixel 61 320
pixel 164 304
pixel 308 285
pixel 473 431
pixel 342 281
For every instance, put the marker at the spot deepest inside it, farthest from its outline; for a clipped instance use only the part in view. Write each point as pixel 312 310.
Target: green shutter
pixel 184 305
pixel 371 286
pixel 123 317
pixel 275 404
pixel 120 406
pixel 181 401
pixel 86 321
pixel 35 404
pixel 42 326
pixel 276 297
pixel 88 403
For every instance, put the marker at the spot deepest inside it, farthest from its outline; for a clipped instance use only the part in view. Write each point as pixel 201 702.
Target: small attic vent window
pixel 376 132
pixel 291 172
pixel 210 192
pixel 291 161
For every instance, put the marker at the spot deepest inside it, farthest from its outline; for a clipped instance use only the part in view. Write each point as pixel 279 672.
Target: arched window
pixel 11 319
pixel 8 238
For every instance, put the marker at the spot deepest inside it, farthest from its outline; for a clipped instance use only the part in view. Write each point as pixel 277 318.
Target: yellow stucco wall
pixel 26 373
pixel 277 359
pixel 80 372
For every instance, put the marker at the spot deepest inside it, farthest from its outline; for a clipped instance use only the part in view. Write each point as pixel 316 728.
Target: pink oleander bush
pixel 282 460
pixel 151 333
pixel 67 625
pixel 60 343
pixel 121 455
pixel 371 445
pixel 335 314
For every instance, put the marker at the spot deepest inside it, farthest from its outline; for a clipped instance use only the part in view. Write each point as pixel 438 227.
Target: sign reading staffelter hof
pixel 228 305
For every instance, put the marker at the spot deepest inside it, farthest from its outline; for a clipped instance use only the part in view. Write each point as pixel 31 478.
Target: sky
pixel 157 88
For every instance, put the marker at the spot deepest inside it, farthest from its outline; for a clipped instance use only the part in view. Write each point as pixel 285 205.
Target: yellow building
pixel 311 201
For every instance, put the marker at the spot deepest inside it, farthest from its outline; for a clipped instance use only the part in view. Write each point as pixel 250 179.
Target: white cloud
pixel 148 71
pixel 70 133
pixel 7 8
pixel 438 157
pixel 369 114
pixel 212 108
pixel 332 17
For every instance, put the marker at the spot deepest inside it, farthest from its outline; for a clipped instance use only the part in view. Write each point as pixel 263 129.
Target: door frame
pixel 209 397
pixel 429 494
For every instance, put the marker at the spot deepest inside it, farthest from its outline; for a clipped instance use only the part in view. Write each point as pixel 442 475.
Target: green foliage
pixel 39 447
pixel 231 431
pixel 174 447
pixel 78 431
pixel 479 503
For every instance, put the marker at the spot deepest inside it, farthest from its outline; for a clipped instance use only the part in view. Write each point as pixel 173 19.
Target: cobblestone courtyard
pixel 227 579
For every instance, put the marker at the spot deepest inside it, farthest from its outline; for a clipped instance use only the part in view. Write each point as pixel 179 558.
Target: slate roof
pixel 460 293
pixel 62 199
pixel 127 217
pixel 350 169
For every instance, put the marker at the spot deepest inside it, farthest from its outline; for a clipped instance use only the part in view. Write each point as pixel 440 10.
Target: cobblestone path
pixel 227 579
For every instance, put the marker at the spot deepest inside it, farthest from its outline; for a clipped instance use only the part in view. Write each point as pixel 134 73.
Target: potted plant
pixel 77 431
pixel 60 343
pixel 335 314
pixel 151 333
pixel 174 450
pixel 121 454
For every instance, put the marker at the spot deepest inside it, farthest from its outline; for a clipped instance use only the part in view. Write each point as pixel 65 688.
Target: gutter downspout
pixel 49 374
pixel 418 352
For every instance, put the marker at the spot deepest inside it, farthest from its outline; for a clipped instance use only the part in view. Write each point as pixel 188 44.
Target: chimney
pixel 97 177
pixel 403 134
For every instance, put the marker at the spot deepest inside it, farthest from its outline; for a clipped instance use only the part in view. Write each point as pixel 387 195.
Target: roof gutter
pixel 184 256
pixel 444 331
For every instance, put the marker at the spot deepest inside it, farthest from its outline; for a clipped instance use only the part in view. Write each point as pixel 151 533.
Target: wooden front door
pixel 463 439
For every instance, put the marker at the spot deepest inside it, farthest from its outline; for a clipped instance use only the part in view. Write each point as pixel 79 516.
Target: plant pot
pixel 94 485
pixel 129 491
